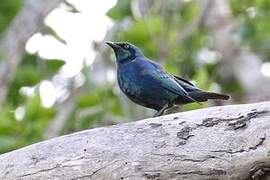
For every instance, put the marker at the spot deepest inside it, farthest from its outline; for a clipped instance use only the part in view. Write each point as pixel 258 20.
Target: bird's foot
pixel 158 113
pixel 161 111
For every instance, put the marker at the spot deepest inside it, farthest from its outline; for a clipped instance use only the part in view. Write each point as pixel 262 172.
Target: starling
pixel 146 83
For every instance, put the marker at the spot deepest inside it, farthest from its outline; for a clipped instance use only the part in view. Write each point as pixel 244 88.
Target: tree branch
pixel 227 142
pixel 28 21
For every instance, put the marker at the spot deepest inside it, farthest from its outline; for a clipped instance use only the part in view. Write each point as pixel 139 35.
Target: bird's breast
pixel 128 80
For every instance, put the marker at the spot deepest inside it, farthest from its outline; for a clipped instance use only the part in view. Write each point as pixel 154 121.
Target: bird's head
pixel 124 51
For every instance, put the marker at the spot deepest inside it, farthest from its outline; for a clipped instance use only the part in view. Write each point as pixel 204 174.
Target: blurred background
pixel 57 76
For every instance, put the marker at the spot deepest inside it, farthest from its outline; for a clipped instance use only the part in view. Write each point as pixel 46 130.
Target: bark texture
pixel 229 142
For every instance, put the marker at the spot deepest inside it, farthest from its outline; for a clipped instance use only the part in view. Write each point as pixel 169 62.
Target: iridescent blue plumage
pixel 148 84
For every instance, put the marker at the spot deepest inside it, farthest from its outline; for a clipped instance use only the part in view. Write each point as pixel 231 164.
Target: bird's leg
pixel 162 110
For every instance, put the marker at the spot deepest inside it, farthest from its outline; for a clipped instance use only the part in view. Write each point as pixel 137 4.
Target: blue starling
pixel 146 83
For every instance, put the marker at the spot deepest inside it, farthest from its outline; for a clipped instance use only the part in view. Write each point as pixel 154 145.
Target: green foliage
pixel 17 133
pixel 255 29
pixel 121 10
pixel 8 9
pixel 30 73
pixel 98 103
pixel 147 29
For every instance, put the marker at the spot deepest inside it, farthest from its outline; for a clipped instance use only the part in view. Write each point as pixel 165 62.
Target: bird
pixel 146 82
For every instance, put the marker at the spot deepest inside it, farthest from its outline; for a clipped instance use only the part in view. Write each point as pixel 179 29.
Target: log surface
pixel 227 142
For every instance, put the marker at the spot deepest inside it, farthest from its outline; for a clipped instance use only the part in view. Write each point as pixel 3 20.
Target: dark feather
pixel 211 95
pixel 184 80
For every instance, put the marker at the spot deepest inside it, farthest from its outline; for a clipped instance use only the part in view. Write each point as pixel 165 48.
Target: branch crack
pixel 233 123
pixel 230 151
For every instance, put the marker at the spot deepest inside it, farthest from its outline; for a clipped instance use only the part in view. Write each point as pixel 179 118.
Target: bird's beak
pixel 112 44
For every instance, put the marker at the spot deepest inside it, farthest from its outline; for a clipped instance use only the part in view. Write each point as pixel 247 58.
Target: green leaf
pixel 52 32
pixel 52 66
pixel 121 10
pixel 89 100
pixel 8 9
pixel 71 7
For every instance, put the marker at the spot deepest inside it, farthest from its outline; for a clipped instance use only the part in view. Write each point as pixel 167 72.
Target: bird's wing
pixel 188 86
pixel 184 80
pixel 168 82
pixel 176 77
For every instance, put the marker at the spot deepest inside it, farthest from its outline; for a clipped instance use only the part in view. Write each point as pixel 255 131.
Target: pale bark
pixel 28 21
pixel 229 142
pixel 245 64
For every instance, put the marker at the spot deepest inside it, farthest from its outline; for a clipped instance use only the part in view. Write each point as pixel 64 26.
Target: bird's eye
pixel 125 46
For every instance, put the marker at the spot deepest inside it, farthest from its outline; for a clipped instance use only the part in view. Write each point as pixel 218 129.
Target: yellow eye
pixel 126 46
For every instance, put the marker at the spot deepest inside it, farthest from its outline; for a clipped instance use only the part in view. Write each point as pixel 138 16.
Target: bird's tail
pixel 211 95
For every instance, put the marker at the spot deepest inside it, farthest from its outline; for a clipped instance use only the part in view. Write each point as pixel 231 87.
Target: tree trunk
pixel 28 21
pixel 227 142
